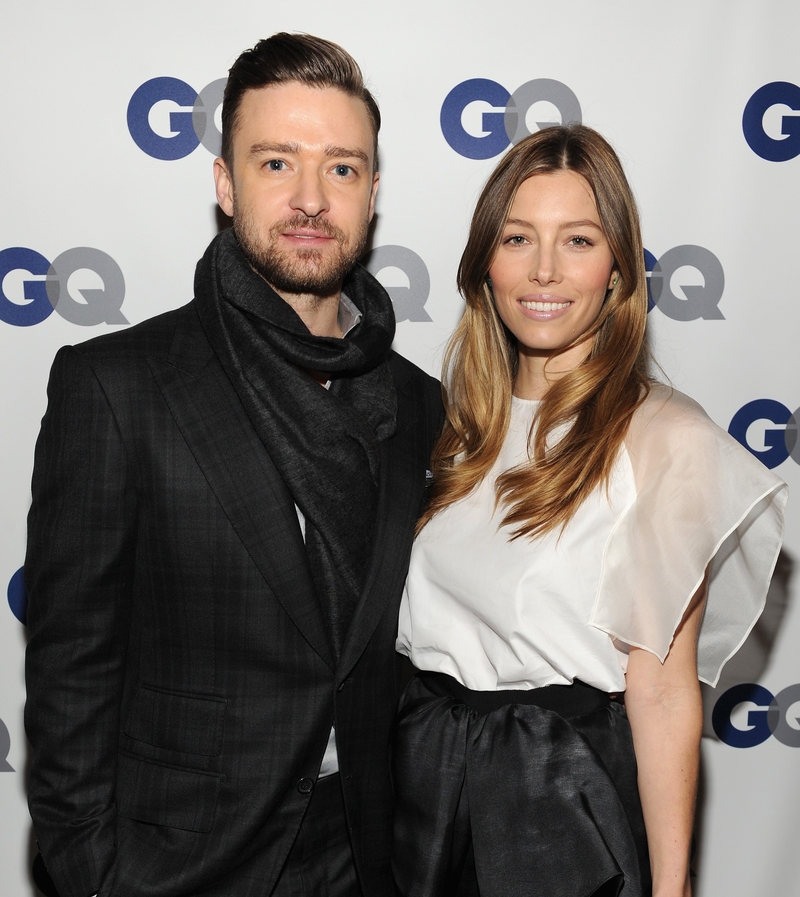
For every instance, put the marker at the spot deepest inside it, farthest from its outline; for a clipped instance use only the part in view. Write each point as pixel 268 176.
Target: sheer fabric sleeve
pixel 701 501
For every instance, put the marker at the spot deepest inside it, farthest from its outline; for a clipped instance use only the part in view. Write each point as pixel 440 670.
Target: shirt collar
pixel 348 315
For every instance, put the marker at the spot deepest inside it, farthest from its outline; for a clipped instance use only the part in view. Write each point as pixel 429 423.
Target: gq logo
pixel 699 300
pixel 27 300
pixel 408 301
pixel 506 122
pixel 5 747
pixel 761 106
pixel 17 596
pixel 169 134
pixel 743 726
pixel 18 604
pixel 779 441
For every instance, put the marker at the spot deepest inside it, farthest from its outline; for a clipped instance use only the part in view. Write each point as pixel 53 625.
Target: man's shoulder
pixel 418 392
pixel 154 336
pixel 404 371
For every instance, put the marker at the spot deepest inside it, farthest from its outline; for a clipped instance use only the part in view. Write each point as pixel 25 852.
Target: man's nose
pixel 309 194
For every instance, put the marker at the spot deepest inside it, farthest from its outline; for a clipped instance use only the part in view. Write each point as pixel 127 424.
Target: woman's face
pixel 552 269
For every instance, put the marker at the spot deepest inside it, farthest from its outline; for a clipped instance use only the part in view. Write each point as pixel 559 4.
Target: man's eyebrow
pixel 293 149
pixel 343 152
pixel 260 149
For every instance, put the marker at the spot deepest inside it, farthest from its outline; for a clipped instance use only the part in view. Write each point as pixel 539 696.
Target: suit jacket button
pixel 305 786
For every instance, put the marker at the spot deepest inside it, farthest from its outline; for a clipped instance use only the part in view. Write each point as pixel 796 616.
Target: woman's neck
pixel 537 371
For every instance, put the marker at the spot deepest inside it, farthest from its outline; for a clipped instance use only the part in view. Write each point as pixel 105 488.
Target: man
pixel 224 500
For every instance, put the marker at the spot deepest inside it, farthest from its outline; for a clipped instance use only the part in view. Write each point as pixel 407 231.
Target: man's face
pixel 302 187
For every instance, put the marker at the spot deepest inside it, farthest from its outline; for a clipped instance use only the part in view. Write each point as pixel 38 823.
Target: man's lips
pixel 302 231
pixel 306 234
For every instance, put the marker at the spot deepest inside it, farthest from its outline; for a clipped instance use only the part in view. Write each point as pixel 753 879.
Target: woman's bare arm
pixel 665 711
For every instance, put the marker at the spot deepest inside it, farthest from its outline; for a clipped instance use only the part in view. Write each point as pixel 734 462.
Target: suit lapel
pixel 239 471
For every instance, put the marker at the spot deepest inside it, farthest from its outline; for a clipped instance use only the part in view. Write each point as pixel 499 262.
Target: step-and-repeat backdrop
pixel 110 125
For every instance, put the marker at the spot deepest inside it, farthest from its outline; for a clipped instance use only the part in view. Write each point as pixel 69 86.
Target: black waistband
pixel 567 700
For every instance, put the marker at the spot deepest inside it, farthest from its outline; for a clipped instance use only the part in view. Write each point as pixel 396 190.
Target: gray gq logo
pixel 188 126
pixel 5 747
pixel 698 300
pixel 766 715
pixel 50 292
pixel 409 302
pixel 506 122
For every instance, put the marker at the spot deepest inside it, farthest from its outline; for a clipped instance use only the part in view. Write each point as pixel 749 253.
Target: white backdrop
pixel 701 101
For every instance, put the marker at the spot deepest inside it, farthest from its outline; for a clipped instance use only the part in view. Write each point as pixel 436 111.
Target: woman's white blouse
pixel 497 613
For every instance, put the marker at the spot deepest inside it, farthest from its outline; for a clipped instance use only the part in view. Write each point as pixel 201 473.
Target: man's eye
pixel 276 165
pixel 343 170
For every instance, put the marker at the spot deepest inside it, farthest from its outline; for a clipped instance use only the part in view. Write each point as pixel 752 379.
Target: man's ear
pixel 224 186
pixel 374 192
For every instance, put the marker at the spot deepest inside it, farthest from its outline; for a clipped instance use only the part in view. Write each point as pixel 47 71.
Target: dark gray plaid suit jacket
pixel 181 683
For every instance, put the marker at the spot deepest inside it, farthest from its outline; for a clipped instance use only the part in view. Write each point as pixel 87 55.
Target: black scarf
pixel 324 442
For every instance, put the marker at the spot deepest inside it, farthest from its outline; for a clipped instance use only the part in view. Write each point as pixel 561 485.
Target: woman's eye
pixel 581 241
pixel 515 240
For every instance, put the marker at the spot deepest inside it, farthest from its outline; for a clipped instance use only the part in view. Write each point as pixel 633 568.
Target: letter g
pixel 773 94
pixel 184 139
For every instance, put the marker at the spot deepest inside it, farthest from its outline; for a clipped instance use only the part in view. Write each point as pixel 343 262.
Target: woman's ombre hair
pixel 593 402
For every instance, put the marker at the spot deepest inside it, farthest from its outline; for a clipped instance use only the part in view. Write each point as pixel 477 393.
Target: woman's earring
pixel 489 283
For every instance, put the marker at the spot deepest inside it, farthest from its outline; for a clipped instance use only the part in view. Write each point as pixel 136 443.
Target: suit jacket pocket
pixel 176 721
pixel 166 795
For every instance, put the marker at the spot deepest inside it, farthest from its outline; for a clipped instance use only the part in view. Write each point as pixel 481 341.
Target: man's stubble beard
pixel 307 272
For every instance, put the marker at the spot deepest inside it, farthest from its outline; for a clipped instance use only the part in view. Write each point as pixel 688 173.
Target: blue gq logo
pixel 777 715
pixel 17 597
pixel 779 437
pixel 505 124
pixel 187 127
pixel 785 147
pixel 46 289
pixel 18 604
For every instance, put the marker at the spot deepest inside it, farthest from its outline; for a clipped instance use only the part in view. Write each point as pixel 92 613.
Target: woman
pixel 587 530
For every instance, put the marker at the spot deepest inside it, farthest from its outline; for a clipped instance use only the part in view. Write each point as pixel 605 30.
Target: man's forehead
pixel 286 113
pixel 291 96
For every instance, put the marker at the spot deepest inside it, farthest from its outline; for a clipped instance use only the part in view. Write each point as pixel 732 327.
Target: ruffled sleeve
pixel 701 501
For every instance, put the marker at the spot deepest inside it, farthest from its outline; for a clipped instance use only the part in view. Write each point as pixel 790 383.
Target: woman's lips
pixel 541 308
pixel 543 304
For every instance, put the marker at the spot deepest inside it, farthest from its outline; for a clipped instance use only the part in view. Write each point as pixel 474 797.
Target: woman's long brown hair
pixel 594 401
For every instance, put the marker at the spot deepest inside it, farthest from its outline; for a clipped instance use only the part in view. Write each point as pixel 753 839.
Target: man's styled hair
pixel 595 401
pixel 288 57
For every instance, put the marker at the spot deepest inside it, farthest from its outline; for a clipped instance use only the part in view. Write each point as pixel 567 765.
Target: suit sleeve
pixel 79 578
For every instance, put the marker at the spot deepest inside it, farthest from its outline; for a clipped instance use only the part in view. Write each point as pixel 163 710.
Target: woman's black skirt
pixel 516 793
